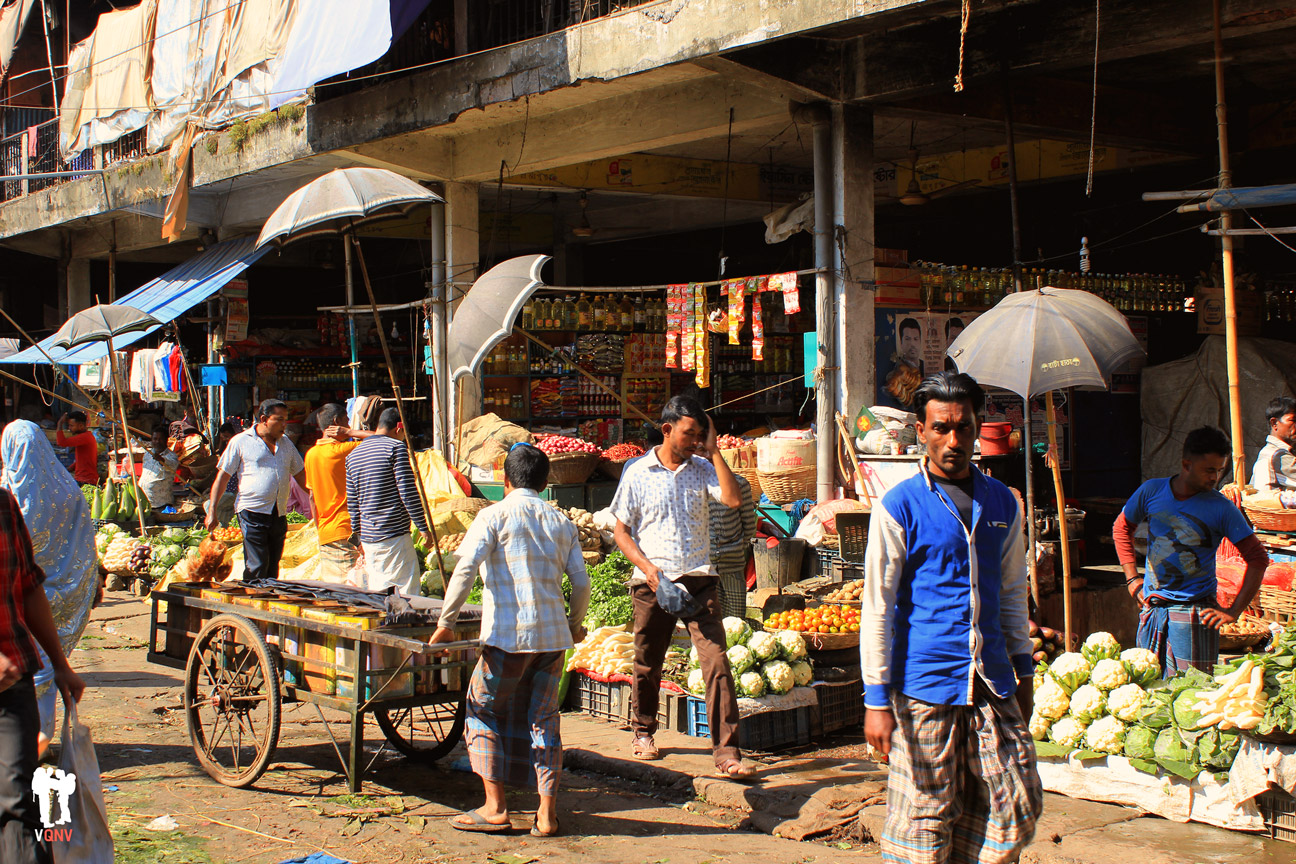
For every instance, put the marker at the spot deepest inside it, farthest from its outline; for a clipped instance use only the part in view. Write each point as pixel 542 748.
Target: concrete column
pixel 463 238
pixel 852 144
pixel 74 286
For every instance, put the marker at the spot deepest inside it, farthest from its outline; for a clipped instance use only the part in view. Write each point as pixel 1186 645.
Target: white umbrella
pixel 340 201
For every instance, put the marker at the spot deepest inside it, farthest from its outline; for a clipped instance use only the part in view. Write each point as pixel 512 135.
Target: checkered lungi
pixel 962 785
pixel 1179 638
pixel 512 731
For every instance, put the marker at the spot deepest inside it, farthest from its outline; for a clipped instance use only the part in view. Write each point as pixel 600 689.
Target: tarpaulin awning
pixel 165 298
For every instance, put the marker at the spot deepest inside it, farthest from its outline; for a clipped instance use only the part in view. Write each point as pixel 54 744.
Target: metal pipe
pixel 49 52
pixel 1226 252
pixel 1182 195
pixel 825 309
pixel 440 377
pixel 351 326
pixel 46 174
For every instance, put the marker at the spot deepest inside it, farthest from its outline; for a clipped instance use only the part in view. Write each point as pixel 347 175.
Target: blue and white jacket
pixel 943 604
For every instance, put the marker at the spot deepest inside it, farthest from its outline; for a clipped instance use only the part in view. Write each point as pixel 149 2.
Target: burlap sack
pixel 485 441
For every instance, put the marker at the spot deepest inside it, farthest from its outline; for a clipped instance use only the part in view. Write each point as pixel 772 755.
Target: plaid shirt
pixel 19 572
pixel 525 545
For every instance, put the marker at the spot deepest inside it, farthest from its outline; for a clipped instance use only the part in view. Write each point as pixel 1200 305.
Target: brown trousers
pixel 652 635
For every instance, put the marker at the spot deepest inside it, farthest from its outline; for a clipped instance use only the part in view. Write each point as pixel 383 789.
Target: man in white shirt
pixel 1275 466
pixel 157 477
pixel 662 507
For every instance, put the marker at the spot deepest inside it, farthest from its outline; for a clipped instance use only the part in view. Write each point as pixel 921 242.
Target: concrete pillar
pixel 463 238
pixel 78 285
pixel 852 144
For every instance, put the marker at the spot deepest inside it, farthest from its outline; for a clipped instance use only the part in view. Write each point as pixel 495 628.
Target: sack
pixel 89 840
pixel 487 439
pixel 675 599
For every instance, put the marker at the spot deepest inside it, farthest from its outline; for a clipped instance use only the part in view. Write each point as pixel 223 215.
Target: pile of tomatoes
pixel 228 536
pixel 823 619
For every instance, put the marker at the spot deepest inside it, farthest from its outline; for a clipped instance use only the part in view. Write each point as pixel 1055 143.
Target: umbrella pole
pixel 1062 522
pixel 130 454
pixel 400 408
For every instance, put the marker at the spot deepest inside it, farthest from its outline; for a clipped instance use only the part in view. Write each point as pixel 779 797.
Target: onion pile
pixel 730 442
pixel 556 445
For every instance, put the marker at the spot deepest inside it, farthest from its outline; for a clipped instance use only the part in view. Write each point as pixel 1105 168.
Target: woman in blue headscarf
pixel 62 538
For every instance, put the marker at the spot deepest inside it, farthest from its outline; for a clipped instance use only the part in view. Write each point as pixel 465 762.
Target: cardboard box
pixel 890 257
pixel 1210 312
pixel 898 295
pixel 896 276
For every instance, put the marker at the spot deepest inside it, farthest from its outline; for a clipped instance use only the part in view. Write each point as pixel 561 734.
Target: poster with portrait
pixel 911 345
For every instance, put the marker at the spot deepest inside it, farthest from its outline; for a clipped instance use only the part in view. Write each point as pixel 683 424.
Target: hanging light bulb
pixel 1084 255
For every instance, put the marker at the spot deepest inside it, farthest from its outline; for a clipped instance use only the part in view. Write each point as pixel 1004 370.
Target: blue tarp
pixel 165 298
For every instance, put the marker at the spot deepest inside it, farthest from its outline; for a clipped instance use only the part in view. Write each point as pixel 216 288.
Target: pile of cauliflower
pixel 761 662
pixel 1087 699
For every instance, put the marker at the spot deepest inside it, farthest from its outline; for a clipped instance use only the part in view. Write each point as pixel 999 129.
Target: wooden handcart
pixel 246 651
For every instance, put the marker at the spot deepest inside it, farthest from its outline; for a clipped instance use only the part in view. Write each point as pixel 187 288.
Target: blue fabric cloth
pixel 1182 539
pixel 316 858
pixel 62 538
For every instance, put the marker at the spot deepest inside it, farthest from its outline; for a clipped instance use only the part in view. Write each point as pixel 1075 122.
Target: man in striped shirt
pixel 732 529
pixel 382 500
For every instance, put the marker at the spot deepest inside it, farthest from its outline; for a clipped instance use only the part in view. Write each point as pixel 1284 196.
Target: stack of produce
pixel 622 452
pixel 1049 644
pixel 119 554
pixel 591 539
pixel 605 651
pixel 171 546
pixel 822 619
pixel 730 442
pixel 556 445
pixel 118 502
pixel 849 592
pixel 609 596
pixel 762 662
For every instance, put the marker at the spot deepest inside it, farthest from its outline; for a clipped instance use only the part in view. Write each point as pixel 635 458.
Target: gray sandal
pixel 479 824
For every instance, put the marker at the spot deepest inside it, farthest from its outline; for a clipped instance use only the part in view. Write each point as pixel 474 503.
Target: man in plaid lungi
pixel 945 649
pixel 522 547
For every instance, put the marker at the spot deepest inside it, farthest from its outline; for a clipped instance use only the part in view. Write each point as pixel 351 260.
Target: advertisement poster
pixel 910 345
pixel 236 316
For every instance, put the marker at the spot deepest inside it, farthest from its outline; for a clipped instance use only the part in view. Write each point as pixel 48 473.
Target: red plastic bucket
pixel 995 439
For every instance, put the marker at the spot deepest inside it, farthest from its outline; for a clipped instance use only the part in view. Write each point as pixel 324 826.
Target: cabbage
pixel 791 645
pixel 1141 665
pixel 1100 646
pixel 1170 746
pixel 1217 749
pixel 1140 742
pixel 736 631
pixel 802 672
pixel 1157 712
pixel 696 683
pixel 778 676
pixel 740 659
pixel 1088 703
pixel 1070 670
pixel 1185 717
pixel 750 684
pixel 763 645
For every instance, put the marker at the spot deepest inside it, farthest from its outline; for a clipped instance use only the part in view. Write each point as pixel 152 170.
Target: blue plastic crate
pixel 767 731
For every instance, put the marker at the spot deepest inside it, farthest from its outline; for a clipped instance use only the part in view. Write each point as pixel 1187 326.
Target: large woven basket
pixel 1277 605
pixel 792 484
pixel 742 461
pixel 1265 519
pixel 612 468
pixel 461 505
pixel 566 468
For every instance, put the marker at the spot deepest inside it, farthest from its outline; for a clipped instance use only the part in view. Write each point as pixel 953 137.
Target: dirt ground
pixel 300 805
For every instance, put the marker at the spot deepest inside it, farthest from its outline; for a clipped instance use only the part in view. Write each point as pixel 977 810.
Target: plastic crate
pixel 848 572
pixel 1278 809
pixel 852 528
pixel 672 711
pixel 828 560
pixel 608 701
pixel 766 731
pixel 841 706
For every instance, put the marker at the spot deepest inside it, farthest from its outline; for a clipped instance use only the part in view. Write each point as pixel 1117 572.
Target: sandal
pixel 645 748
pixel 536 832
pixel 479 825
pixel 732 769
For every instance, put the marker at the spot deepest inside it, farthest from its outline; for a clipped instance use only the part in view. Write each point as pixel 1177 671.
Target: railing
pixel 11 163
pixel 129 147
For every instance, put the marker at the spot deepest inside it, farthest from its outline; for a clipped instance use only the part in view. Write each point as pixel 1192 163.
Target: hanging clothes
pixel 141 373
pixel 176 367
pixel 162 367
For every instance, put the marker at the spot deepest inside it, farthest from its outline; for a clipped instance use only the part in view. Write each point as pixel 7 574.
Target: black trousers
pixel 263 542
pixel 19 812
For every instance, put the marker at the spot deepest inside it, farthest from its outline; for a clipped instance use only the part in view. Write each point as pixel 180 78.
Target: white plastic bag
pixel 89 840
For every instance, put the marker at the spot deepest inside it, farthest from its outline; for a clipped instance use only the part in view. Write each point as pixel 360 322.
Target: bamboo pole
pixel 1226 254
pixel 400 408
pixel 130 453
pixel 862 484
pixel 1056 465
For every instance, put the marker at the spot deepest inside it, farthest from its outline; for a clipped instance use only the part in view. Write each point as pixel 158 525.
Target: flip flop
pixel 725 771
pixel 536 832
pixel 479 824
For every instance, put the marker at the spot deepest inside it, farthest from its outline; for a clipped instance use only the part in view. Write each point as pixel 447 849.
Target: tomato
pixel 854 628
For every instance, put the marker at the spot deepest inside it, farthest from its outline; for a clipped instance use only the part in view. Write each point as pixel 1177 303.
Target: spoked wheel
pixel 425 733
pixel 231 700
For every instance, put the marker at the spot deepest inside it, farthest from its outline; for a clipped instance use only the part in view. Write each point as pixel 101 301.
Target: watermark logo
pixel 1059 364
pixel 47 784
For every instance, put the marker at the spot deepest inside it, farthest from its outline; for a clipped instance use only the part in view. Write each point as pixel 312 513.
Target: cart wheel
pixel 425 733
pixel 231 700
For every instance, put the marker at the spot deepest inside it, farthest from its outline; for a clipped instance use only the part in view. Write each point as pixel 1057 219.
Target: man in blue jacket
pixel 945 648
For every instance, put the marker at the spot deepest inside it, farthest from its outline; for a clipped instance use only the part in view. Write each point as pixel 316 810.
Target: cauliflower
pixel 1051 700
pixel 1109 674
pixel 1100 646
pixel 1088 703
pixel 695 659
pixel 779 676
pixel 1070 670
pixel 1041 674
pixel 696 683
pixel 751 684
pixel 791 645
pixel 763 645
pixel 1039 726
pixel 736 631
pixel 1068 732
pixel 1106 735
pixel 1141 665
pixel 1126 702
pixel 802 672
pixel 740 659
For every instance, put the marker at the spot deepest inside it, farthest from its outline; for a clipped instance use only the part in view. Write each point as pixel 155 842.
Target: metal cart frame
pixel 231 652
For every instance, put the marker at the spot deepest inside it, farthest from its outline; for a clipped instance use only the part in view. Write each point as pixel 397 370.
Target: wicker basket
pixel 1277 605
pixel 1271 520
pixel 566 468
pixel 742 461
pixel 612 468
pixel 784 487
pixel 462 505
pixel 831 641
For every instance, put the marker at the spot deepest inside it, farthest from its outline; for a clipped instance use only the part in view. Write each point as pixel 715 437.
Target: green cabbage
pixel 1171 746
pixel 1157 712
pixel 1140 742
pixel 1217 749
pixel 1184 715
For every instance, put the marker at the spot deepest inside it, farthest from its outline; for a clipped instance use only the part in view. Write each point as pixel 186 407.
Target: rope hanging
pixel 1093 112
pixel 965 17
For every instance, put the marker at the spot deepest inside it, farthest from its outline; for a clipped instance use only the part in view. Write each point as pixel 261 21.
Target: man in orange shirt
pixel 326 482
pixel 83 441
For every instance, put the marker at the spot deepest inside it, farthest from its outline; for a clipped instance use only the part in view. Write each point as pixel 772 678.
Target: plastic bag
pixel 89 840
